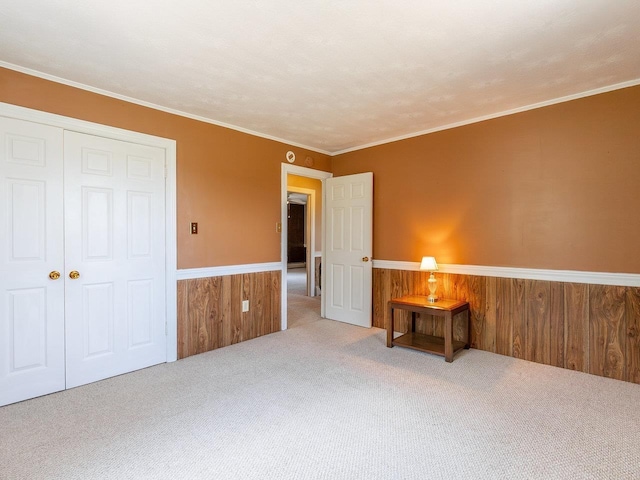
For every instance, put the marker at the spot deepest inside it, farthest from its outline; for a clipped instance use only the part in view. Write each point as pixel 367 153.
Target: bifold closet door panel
pixel 115 241
pixel 32 256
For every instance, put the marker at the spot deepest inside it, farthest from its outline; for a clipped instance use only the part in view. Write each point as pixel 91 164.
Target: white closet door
pixel 114 230
pixel 31 246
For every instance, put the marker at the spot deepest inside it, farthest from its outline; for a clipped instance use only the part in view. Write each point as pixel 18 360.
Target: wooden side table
pixel 446 309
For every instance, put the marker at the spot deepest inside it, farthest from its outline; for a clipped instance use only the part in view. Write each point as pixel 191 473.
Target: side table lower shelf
pixel 444 309
pixel 426 343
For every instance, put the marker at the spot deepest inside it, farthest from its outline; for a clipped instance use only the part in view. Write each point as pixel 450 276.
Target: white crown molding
pixel 83 126
pixel 107 93
pixel 99 91
pixel 570 276
pixel 191 273
pixel 546 103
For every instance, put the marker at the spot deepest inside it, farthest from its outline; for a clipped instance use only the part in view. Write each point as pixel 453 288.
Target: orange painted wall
pixel 556 187
pixel 227 181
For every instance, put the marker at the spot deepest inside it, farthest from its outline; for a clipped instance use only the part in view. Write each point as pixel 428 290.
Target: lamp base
pixel 433 286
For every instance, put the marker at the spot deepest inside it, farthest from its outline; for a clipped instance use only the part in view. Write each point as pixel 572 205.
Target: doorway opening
pixel 301 233
pixel 301 254
pixel 303 303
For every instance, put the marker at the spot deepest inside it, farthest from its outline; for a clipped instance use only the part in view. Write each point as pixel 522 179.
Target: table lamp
pixel 429 264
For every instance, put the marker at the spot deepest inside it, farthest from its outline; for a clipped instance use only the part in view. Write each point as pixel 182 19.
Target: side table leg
pixel 448 337
pixel 389 326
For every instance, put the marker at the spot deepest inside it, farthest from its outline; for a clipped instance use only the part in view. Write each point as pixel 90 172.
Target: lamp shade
pixel 428 263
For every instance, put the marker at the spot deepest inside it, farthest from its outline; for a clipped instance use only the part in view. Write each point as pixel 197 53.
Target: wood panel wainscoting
pixel 210 310
pixel 589 328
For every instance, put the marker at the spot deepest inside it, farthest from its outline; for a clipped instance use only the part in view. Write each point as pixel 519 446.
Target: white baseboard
pixel 570 276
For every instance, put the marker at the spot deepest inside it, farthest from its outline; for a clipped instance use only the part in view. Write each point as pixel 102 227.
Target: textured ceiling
pixel 329 74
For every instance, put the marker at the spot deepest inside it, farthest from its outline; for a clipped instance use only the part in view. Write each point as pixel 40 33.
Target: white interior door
pixel 115 240
pixel 348 244
pixel 31 246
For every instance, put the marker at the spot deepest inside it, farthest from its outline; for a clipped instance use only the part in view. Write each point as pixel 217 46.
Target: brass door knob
pixel 365 259
pixel 73 274
pixel 54 275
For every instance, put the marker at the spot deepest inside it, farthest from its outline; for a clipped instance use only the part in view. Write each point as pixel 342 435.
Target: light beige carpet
pixel 325 400
pixel 297 281
pixel 301 309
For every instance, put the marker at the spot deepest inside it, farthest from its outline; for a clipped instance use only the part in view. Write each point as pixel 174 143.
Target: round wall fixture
pixel 308 161
pixel 291 157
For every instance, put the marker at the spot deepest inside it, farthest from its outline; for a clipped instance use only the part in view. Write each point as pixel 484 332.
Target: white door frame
pixel 302 172
pixel 82 126
pixel 310 234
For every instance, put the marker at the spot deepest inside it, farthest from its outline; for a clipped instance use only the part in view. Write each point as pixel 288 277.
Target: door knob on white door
pixel 54 275
pixel 74 274
pixel 365 259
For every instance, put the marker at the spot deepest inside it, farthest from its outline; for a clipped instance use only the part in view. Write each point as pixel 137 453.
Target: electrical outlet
pixel 245 305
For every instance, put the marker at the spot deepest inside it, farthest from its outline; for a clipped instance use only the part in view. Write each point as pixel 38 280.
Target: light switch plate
pixel 194 228
pixel 245 305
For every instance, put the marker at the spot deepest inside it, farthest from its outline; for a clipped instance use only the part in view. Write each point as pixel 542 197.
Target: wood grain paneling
pixel 225 311
pixel 210 310
pixel 589 328
pixel 504 323
pixel 401 284
pixel 275 301
pixel 489 333
pixel 576 326
pixel 215 317
pixel 476 298
pixel 380 280
pixel 556 319
pixel 199 292
pixel 183 324
pixel 633 334
pixel 519 324
pixel 248 325
pixel 236 309
pixel 538 331
pixel 607 331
